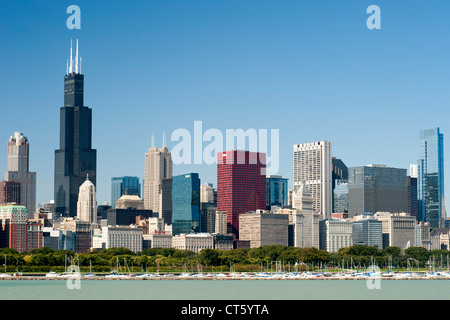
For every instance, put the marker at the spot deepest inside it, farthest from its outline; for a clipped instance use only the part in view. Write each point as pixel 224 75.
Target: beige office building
pixel 335 234
pixel 195 242
pixel 129 237
pixel 158 166
pixel 221 222
pixel 263 228
pixel 399 229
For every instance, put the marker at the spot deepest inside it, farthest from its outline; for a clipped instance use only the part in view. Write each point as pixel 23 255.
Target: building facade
pixel 374 188
pixel 9 192
pixel 241 185
pixel 13 227
pixel 194 242
pixel 399 229
pixel 340 196
pixel 335 234
pixel 367 231
pixel 263 228
pixel 313 167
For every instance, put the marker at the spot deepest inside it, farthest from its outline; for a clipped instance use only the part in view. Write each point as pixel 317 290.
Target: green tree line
pixel 240 260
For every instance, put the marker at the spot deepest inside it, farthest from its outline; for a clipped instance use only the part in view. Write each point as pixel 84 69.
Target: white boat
pixel 52 274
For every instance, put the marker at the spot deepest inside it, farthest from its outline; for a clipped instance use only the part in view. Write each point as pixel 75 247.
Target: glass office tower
pixel 185 203
pixel 276 191
pixel 124 186
pixel 430 184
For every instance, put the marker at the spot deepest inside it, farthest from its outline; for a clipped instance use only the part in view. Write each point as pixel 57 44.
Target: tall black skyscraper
pixel 75 158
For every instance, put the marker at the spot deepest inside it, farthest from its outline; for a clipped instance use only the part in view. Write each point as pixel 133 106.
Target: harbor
pixel 350 275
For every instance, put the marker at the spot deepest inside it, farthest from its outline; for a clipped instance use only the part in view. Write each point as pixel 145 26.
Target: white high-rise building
pixel 313 168
pixel 87 202
pixel 158 166
pixel 18 171
pixel 413 170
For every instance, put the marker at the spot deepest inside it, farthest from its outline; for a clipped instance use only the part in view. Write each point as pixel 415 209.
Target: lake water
pixel 225 290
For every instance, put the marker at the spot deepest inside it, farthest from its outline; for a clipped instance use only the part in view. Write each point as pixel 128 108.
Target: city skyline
pixel 392 141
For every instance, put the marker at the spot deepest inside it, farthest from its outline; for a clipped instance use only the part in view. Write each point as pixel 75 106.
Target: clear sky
pixel 311 69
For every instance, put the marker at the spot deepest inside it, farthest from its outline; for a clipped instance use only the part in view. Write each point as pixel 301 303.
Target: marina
pixel 348 275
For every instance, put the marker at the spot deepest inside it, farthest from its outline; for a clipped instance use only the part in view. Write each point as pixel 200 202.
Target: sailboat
pixel 5 275
pixel 90 274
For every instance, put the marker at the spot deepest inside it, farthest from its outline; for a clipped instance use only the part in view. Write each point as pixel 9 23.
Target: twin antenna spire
pixel 73 66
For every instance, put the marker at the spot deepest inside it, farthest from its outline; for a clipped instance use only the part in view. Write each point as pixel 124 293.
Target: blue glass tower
pixel 430 184
pixel 276 191
pixel 185 203
pixel 124 186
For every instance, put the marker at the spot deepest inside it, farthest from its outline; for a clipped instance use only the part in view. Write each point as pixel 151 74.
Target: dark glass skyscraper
pixel 430 180
pixel 75 159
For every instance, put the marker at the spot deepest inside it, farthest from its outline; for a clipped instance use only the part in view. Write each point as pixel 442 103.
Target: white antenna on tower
pixel 71 61
pixel 164 139
pixel 67 66
pixel 153 140
pixel 76 58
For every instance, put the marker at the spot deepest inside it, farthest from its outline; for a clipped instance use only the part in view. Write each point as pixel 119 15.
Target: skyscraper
pixel 241 184
pixel 124 186
pixel 185 203
pixel 158 166
pixel 18 171
pixel 75 159
pixel 430 176
pixel 313 167
pixel 87 203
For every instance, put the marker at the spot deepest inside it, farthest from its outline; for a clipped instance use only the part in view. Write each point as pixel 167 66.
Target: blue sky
pixel 311 69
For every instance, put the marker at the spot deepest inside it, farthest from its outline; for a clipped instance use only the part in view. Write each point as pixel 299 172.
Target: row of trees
pixel 170 259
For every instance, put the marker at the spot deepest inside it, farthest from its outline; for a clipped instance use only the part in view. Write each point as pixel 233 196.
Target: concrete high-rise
pixel 75 159
pixel 158 166
pixel 18 171
pixel 313 167
pixel 430 176
pixel 241 185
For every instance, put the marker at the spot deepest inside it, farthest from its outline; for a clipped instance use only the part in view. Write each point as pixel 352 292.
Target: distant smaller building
pixel 335 234
pixel 263 228
pixel 195 242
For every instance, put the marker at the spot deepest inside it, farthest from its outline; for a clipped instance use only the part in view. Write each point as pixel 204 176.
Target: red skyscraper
pixel 241 184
